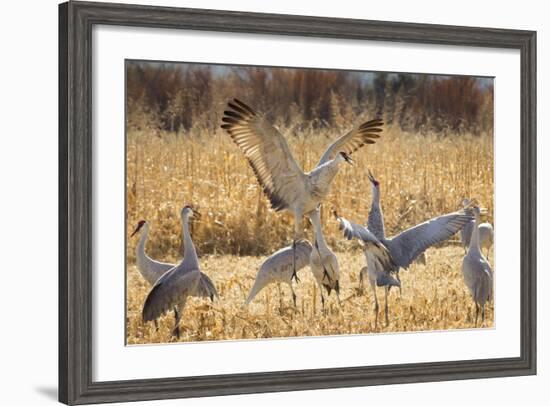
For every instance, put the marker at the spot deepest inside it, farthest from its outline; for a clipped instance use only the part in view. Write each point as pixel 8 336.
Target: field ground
pixel 434 297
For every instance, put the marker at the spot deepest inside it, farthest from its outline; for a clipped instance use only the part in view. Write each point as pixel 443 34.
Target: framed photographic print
pixel 256 202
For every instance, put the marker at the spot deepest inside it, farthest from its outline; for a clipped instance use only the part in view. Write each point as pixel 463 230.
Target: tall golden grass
pixel 421 176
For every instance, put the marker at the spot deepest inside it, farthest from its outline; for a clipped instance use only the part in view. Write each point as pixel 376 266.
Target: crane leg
pixel 373 286
pixel 361 282
pixel 398 280
pixel 386 305
pixel 280 298
pixel 477 313
pixel 482 313
pixel 294 274
pixel 156 325
pixel 297 232
pixel 177 315
pixel 293 295
pixel 325 272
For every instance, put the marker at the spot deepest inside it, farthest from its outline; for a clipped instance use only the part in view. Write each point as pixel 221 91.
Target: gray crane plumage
pixel 323 263
pixel 375 220
pixel 286 185
pixel 477 272
pixel 380 266
pixel 152 269
pixel 149 268
pixel 402 249
pixel 407 246
pixel 173 288
pixel 486 233
pixel 278 268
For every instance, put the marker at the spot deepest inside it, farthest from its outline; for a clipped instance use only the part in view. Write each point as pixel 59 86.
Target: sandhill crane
pixel 363 273
pixel 286 185
pixel 405 247
pixel 402 247
pixel 323 262
pixel 151 269
pixel 477 272
pixel 380 266
pixel 278 268
pixel 486 233
pixel 172 289
pixel 375 221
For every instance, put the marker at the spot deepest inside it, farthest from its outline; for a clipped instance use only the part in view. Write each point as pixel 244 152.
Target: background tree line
pixel 182 97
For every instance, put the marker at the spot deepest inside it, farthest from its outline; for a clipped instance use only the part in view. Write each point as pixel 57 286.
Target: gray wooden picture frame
pixel 76 20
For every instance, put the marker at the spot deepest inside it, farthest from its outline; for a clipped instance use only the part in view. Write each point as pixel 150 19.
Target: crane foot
pixel 176 332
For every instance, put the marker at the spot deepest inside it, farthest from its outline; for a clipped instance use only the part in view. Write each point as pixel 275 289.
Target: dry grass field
pixel 433 298
pixel 421 176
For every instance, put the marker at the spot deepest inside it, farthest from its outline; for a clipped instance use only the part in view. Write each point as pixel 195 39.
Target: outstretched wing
pixel 173 288
pixel 354 230
pixel 371 243
pixel 409 244
pixel 366 133
pixel 267 153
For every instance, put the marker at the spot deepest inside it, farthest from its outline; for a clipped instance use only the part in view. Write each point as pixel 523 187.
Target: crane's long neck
pixel 376 218
pixel 318 231
pixel 144 263
pixel 189 253
pixel 140 248
pixel 474 239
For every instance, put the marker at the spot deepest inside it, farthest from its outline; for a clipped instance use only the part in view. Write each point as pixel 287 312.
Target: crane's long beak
pixel 137 229
pixel 196 214
pixel 371 177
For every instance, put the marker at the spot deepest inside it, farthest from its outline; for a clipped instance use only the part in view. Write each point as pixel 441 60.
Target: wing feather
pixel 172 289
pixel 206 288
pixel 267 152
pixel 371 243
pixel 409 244
pixel 365 134
pixel 285 256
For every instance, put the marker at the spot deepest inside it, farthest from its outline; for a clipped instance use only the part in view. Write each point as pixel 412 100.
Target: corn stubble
pixel 422 176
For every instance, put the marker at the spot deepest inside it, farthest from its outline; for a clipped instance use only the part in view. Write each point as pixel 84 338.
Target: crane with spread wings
pixel 286 185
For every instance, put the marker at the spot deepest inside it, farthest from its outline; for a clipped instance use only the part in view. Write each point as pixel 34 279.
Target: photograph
pixel 283 202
